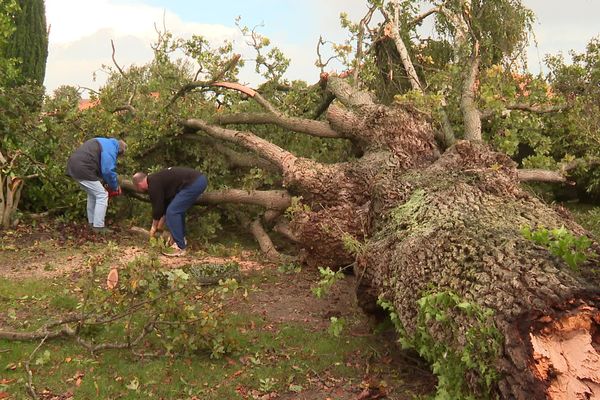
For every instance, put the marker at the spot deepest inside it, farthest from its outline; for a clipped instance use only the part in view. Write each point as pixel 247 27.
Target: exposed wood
pixel 393 30
pixel 127 107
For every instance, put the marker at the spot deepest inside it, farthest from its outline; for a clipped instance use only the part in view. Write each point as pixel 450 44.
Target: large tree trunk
pixel 452 244
pixel 496 314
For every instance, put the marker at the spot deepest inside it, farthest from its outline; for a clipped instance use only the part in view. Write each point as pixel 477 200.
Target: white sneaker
pixel 174 251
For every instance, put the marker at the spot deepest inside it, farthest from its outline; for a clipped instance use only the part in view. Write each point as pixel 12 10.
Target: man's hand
pixel 152 231
pixel 113 193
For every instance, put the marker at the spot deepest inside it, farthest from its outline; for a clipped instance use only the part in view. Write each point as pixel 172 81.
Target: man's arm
pixel 157 200
pixel 108 165
pixel 157 224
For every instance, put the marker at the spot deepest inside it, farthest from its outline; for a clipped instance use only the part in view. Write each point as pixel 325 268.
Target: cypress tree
pixel 29 41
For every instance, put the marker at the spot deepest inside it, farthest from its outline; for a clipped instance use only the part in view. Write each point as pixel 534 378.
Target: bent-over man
pixel 172 192
pixel 95 161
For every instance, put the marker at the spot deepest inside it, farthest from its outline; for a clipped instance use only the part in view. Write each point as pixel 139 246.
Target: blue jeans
pixel 175 215
pixel 97 202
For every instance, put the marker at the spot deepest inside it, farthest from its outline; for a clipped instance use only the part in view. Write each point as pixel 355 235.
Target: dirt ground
pixel 54 250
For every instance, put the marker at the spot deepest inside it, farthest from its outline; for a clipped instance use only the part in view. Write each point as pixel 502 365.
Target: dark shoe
pixel 103 231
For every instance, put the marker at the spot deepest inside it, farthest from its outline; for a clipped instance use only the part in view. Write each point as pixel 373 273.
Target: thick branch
pixel 347 94
pixel 535 109
pixel 424 15
pixel 310 127
pixel 283 228
pixel 127 107
pixel 37 335
pixel 345 121
pixel 267 150
pixel 324 105
pixel 235 158
pixel 540 175
pixel 269 199
pixel 468 106
pixel 264 241
pixel 581 162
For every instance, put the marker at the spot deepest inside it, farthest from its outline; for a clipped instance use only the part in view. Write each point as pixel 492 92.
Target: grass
pixel 267 359
pixel 587 215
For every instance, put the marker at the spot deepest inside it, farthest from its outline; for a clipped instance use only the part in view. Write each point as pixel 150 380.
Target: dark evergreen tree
pixel 29 42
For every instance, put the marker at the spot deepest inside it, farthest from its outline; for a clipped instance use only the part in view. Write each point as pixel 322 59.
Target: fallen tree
pixel 434 227
pixel 441 247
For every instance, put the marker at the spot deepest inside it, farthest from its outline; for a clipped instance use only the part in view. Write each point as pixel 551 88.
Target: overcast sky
pixel 80 31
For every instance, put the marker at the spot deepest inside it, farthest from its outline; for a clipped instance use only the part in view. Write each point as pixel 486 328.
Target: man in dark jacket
pixel 93 161
pixel 172 192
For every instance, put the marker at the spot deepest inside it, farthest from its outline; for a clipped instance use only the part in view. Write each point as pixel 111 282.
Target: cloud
pixel 81 31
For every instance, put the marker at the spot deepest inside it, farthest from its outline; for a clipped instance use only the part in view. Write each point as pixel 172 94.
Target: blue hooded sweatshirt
pixel 108 161
pixel 94 160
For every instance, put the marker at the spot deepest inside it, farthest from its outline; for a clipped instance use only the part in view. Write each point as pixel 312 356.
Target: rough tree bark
pixel 434 223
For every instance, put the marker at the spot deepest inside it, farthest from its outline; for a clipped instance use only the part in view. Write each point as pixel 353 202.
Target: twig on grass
pixel 29 385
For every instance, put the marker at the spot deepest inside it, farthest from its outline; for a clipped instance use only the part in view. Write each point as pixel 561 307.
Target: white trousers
pixel 97 202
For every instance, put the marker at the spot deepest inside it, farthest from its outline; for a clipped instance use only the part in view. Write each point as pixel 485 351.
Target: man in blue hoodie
pixel 93 161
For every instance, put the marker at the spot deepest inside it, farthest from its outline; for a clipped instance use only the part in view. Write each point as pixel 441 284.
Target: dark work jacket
pixel 84 163
pixel 164 185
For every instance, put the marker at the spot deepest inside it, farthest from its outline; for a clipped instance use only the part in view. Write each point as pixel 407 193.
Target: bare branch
pixel 112 44
pixel 89 90
pixel 359 42
pixel 540 175
pixel 424 15
pixel 30 387
pixel 198 84
pixel 270 199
